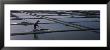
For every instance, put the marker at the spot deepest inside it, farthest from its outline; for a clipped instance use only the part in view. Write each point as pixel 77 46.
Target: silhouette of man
pixel 36 24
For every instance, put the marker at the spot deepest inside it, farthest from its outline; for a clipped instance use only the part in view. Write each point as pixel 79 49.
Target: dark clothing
pixel 36 24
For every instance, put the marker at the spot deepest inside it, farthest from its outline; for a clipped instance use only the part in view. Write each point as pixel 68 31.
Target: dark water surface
pixel 72 35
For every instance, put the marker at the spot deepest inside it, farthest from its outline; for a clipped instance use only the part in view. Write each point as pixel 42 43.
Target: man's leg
pixel 34 27
pixel 38 27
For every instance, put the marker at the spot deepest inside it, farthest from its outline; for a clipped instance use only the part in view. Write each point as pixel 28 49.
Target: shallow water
pixel 72 35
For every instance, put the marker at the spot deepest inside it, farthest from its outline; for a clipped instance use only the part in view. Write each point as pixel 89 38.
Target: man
pixel 36 24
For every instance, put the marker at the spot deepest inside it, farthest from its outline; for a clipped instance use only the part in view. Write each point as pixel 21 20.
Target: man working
pixel 36 24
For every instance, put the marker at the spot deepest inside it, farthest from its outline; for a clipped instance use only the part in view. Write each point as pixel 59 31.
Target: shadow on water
pixel 35 36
